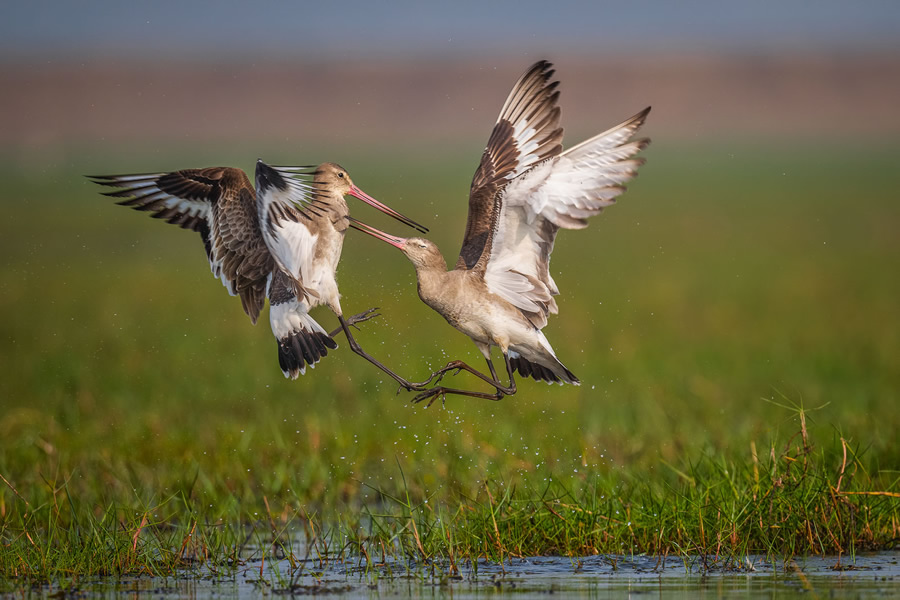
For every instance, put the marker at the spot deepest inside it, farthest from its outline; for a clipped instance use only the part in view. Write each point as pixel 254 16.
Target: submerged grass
pixel 145 426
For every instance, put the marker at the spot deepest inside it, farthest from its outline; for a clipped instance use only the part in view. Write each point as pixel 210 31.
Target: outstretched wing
pixel 217 202
pixel 526 133
pixel 559 193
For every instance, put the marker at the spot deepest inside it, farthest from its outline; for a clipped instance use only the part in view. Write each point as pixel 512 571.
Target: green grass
pixel 730 287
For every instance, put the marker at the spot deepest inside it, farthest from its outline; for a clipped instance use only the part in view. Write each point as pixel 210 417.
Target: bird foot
pixel 363 316
pixel 438 375
pixel 410 386
pixel 433 394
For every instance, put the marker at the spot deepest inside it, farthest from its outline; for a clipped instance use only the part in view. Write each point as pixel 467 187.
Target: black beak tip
pixel 417 227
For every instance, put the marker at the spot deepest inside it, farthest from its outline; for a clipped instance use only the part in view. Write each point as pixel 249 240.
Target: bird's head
pixel 332 180
pixel 421 253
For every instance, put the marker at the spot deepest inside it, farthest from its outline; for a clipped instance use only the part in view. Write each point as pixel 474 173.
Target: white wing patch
pixel 521 290
pixel 299 192
pixel 561 192
pixel 293 246
pixel 297 196
pixel 524 135
pixel 513 272
pixel 285 229
pixel 290 317
pixel 574 186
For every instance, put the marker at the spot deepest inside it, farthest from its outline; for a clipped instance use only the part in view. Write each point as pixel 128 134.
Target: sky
pixel 44 30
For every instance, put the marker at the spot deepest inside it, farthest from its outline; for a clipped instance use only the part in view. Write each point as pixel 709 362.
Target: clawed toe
pixel 432 393
pixel 413 387
pixel 438 375
pixel 421 385
pixel 363 316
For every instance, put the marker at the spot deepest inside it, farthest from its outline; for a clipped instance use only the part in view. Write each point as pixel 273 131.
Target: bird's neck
pixel 338 209
pixel 431 278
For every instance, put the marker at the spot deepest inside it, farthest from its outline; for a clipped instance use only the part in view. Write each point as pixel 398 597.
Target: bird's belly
pixel 485 321
pixel 323 283
pixel 322 277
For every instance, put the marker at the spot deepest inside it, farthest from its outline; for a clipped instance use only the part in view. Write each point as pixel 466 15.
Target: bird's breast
pixel 327 255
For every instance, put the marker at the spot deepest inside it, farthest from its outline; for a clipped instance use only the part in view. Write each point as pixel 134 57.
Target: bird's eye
pixel 341 175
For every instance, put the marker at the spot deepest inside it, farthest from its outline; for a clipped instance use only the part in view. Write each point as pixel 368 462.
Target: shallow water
pixel 865 575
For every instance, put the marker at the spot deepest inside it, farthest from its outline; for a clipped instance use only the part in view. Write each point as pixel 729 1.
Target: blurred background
pixel 244 78
pixel 755 259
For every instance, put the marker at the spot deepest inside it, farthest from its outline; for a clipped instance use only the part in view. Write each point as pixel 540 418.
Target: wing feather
pixel 217 202
pixel 288 197
pixel 526 133
pixel 562 192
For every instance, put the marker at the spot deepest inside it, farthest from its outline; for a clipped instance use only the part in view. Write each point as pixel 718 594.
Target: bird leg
pixel 357 318
pixel 354 345
pixel 442 391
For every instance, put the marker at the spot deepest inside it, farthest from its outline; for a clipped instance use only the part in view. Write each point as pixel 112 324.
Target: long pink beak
pixel 396 242
pixel 358 193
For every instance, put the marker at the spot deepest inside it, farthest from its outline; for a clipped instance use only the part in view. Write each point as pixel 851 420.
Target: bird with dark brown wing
pixel 284 242
pixel 303 224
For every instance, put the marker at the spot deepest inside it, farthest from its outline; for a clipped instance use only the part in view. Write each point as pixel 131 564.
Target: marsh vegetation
pixel 733 319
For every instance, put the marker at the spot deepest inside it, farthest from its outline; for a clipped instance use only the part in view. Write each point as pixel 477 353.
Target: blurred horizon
pixel 60 112
pixel 99 76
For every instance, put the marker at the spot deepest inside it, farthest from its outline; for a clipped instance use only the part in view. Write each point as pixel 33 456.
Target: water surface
pixel 865 575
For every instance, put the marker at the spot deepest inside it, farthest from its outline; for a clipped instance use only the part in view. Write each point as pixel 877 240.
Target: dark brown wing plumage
pixel 526 133
pixel 220 204
pixel 239 245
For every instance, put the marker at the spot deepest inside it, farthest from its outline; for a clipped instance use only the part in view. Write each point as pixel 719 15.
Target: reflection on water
pixel 866 575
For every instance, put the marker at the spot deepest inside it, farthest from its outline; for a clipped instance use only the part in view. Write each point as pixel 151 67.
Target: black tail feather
pixel 539 372
pixel 302 348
